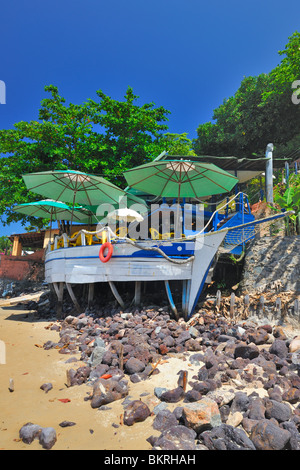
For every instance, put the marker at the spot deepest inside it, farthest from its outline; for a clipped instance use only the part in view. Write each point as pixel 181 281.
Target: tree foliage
pixel 261 111
pixel 102 137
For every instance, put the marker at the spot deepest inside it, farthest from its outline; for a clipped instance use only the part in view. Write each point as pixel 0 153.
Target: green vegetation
pixel 5 245
pixel 261 111
pixel 289 198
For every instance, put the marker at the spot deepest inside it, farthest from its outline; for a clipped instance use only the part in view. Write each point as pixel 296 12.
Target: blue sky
pixel 185 55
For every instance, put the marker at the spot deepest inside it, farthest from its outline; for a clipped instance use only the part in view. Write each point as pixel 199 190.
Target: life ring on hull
pixel 105 258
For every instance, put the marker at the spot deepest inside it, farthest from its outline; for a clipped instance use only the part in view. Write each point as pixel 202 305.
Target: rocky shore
pixel 244 392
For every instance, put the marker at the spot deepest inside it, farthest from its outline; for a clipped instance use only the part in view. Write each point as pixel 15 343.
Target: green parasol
pixel 50 209
pixel 180 178
pixel 73 187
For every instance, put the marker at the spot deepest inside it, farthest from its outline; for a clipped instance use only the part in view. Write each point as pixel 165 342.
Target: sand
pixel 30 366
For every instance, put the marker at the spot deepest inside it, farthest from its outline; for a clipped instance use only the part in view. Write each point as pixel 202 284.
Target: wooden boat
pixel 189 259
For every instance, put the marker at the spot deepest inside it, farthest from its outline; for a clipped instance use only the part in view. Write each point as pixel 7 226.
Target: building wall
pixel 29 267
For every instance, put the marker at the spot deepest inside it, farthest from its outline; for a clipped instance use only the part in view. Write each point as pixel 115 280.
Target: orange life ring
pixel 106 258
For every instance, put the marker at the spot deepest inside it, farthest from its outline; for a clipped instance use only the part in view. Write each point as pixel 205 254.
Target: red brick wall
pixel 17 268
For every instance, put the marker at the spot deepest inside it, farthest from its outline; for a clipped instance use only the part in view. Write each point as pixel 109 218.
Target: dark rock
pixel 184 336
pixel 256 409
pixel 204 387
pixel 176 438
pixel 246 351
pixel 47 438
pixel 46 387
pixel 279 348
pixel 240 402
pixel 266 435
pixel 65 424
pixel 292 395
pixel 164 420
pixel 173 396
pixel 136 412
pixel 227 437
pixel 29 432
pixel 294 443
pixel 134 365
pixel 158 391
pixel 258 337
pixel 192 395
pixel 108 390
pixel 277 410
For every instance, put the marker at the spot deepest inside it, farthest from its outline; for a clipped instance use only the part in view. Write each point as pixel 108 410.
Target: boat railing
pixel 86 237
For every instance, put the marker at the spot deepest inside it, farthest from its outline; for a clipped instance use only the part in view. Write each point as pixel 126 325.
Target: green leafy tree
pixel 178 144
pixel 261 111
pixel 104 137
pixel 5 245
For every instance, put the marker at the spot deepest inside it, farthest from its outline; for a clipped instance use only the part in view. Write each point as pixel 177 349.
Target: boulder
pixel 176 438
pixel 108 390
pixel 47 438
pixel 134 365
pixel 279 348
pixel 135 412
pixel 173 396
pixel 164 420
pixel 201 415
pixel 29 432
pixel 226 437
pixel 246 351
pixel 266 435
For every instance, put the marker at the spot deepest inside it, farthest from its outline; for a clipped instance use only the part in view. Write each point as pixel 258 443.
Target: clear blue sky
pixel 185 55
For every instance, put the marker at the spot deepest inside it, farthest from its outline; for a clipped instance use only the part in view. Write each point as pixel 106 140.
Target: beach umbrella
pixel 180 178
pixel 55 210
pixel 74 187
pixel 125 214
pixel 50 209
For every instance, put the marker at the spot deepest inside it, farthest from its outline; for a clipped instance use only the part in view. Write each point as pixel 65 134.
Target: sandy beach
pixel 30 366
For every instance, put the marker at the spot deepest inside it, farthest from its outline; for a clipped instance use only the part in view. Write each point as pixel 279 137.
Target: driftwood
pixel 234 308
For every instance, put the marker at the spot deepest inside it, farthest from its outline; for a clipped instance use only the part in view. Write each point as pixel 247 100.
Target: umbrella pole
pixel 72 210
pixel 50 225
pixel 177 217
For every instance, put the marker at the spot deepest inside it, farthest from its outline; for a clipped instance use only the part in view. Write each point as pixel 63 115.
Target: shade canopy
pixel 55 210
pixel 73 187
pixel 128 215
pixel 180 178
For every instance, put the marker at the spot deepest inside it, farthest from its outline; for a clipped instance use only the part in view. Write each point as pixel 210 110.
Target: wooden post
pixel 278 305
pixel 137 295
pixel 121 357
pixel 72 295
pixel 17 246
pixel 232 303
pixel 91 293
pixel 262 304
pixel 218 299
pixel 246 306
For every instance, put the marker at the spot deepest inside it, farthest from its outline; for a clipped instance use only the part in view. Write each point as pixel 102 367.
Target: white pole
pixel 269 173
